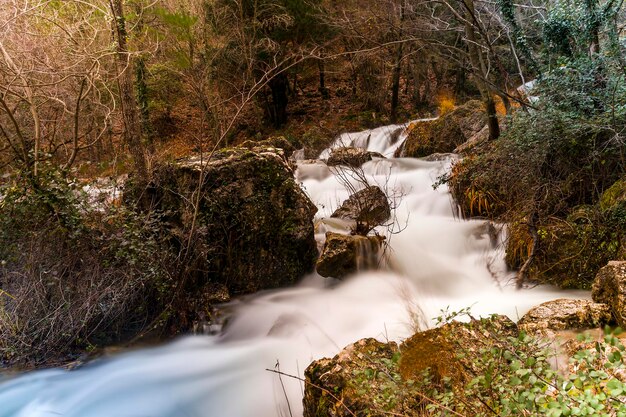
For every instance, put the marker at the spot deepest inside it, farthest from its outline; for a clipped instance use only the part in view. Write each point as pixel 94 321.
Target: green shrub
pixel 516 377
pixel 551 161
pixel 72 276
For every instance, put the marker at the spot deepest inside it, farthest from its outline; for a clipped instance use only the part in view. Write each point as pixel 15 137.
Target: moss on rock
pixel 446 133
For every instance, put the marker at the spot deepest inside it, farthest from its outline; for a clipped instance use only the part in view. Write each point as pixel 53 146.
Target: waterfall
pixel 436 261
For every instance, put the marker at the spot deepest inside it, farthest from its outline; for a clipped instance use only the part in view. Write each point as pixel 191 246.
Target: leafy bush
pixel 516 376
pixel 72 277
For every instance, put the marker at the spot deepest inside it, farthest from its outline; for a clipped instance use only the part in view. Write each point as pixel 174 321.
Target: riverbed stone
pixel 368 207
pixel 609 287
pixel 351 157
pixel 565 314
pixel 343 255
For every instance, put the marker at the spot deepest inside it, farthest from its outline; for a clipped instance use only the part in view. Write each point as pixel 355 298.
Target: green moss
pixel 614 195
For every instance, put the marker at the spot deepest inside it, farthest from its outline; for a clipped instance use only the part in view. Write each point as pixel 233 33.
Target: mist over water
pixel 436 260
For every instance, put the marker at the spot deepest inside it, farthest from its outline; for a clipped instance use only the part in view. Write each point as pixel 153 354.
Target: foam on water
pixel 437 259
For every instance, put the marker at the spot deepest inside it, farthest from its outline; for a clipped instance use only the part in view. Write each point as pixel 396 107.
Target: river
pixel 436 261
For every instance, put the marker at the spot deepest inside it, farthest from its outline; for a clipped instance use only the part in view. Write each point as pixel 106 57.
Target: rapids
pixel 436 260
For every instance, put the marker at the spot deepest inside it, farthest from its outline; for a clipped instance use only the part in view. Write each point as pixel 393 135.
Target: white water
pixel 439 261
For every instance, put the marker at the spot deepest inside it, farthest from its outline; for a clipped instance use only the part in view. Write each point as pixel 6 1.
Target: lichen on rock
pixel 565 314
pixel 609 288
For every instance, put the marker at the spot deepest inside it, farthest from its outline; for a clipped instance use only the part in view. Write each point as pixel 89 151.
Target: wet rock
pixel 368 208
pixel 446 133
pixel 352 157
pixel 253 224
pixel 565 314
pixel 609 288
pixel 343 255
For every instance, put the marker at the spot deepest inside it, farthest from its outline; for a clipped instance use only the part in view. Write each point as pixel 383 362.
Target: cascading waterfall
pixel 437 259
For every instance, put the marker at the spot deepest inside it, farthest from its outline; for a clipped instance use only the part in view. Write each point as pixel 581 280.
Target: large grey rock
pixel 368 208
pixel 352 157
pixel 564 314
pixel 344 255
pixel 254 224
pixel 609 287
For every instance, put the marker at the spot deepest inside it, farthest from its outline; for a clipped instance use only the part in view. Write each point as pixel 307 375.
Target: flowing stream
pixel 437 261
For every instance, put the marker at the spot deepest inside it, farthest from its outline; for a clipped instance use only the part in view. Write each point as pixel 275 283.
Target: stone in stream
pixel 344 255
pixel 254 224
pixel 564 314
pixel 609 287
pixel 352 157
pixel 368 207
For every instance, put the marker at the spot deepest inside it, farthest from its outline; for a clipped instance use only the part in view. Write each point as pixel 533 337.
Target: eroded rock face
pixel 565 314
pixel 445 134
pixel 343 255
pixel 609 288
pixel 369 207
pixel 352 157
pixel 254 225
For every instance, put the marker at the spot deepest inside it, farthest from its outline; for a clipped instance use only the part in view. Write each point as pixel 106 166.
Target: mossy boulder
pixel 569 252
pixel 614 195
pixel 446 133
pixel 343 255
pixel 372 378
pixel 438 349
pixel 249 224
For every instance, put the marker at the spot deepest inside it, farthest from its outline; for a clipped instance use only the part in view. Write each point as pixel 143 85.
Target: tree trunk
pixel 480 71
pixel 322 70
pixel 395 82
pixel 492 118
pixel 278 106
pixel 128 101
